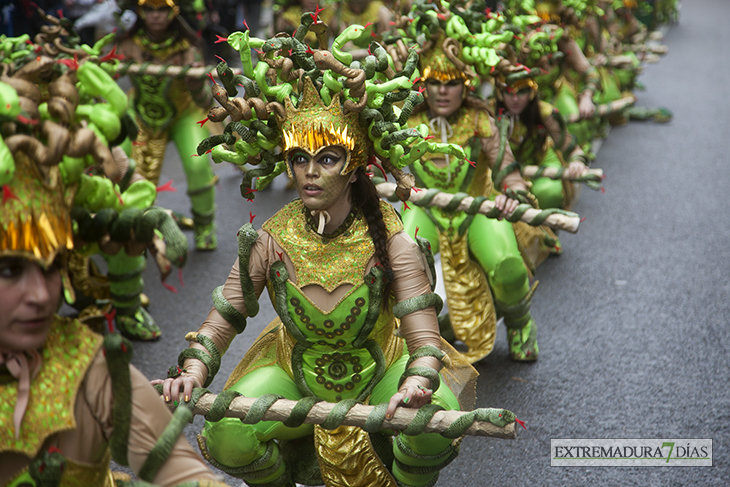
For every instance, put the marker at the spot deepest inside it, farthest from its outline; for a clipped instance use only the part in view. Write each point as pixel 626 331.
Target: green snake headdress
pixel 296 95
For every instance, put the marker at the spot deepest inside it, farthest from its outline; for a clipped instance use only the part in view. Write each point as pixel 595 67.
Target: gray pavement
pixel 632 318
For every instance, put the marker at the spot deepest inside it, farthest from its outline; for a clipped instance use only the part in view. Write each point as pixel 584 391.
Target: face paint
pixel 516 102
pixel 29 297
pixel 157 20
pixel 318 180
pixel 444 99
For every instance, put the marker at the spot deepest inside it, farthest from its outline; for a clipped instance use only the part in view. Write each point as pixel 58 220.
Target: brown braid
pixel 365 199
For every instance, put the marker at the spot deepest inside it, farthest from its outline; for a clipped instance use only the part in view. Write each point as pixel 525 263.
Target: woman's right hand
pixel 172 388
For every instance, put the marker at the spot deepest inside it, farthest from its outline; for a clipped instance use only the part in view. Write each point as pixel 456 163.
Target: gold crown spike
pixel 312 126
pixel 436 65
pixel 35 221
pixel 158 4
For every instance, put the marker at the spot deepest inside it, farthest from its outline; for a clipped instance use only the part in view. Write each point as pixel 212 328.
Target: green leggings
pixel 491 242
pixel 235 444
pixel 549 192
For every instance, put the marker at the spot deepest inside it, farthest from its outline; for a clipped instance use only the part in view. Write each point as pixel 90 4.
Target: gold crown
pixel 157 4
pixel 548 10
pixel 435 64
pixel 520 84
pixel 35 221
pixel 313 125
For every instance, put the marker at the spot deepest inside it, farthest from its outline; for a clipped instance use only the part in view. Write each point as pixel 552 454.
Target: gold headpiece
pixel 512 85
pixel 157 4
pixel 435 63
pixel 312 126
pixel 35 218
pixel 547 10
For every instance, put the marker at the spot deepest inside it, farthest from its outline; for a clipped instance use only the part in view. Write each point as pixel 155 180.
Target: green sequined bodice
pixel 469 126
pixel 334 368
pixel 338 353
pixel 159 99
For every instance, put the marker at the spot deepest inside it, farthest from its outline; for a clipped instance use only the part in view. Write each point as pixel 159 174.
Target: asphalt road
pixel 632 318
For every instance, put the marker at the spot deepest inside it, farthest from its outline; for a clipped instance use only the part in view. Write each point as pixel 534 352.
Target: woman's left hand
pixel 586 108
pixel 506 205
pixel 409 396
pixel 576 169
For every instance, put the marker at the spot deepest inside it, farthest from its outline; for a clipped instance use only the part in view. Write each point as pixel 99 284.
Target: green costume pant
pixel 549 192
pixel 492 243
pixel 235 444
pixel 567 103
pixel 149 153
pixel 186 134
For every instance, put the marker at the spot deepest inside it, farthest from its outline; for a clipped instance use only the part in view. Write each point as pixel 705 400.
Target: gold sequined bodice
pixel 327 262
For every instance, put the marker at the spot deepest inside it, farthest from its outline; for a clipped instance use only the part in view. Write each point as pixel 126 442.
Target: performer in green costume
pixel 537 135
pixel 341 273
pixel 170 109
pixel 570 81
pixel 480 257
pixel 69 398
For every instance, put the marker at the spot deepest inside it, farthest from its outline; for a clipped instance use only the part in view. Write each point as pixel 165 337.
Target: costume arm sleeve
pixel 215 326
pixel 149 418
pixel 419 328
pixel 553 128
pixel 576 60
pixel 490 148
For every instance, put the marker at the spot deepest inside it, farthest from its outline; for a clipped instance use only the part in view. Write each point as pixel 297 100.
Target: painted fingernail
pixel 405 400
pixel 388 416
pixel 187 398
pixel 167 398
pixel 174 403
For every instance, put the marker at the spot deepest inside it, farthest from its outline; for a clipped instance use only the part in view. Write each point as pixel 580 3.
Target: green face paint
pixel 317 177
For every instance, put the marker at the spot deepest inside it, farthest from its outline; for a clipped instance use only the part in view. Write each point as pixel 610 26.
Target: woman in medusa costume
pixel 82 112
pixel 481 257
pixel 570 82
pixel 69 398
pixel 538 135
pixel 167 108
pixel 357 315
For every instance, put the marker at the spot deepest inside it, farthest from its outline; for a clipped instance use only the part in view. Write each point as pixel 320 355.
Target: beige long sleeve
pixel 490 148
pixel 88 442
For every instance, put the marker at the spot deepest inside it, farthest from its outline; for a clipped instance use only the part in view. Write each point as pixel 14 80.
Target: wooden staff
pixel 281 410
pixel 555 219
pixel 529 172
pixel 127 67
pixel 605 109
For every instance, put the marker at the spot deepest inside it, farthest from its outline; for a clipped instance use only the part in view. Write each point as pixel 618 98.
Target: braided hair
pixel 365 199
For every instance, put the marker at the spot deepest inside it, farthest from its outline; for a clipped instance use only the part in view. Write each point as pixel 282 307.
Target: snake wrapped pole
pixel 440 422
pixel 605 109
pixel 531 172
pixel 552 218
pixel 125 68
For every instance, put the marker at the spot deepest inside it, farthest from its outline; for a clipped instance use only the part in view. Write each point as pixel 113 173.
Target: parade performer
pixel 480 257
pixel 170 109
pixel 85 100
pixel 69 400
pixel 538 135
pixel 570 82
pixel 357 315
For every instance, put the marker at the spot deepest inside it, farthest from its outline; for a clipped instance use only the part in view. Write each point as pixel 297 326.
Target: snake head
pixel 274 44
pixel 498 417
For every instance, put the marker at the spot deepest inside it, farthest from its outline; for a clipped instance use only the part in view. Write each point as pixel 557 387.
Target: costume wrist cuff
pixel 212 359
pixel 522 196
pixel 417 303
